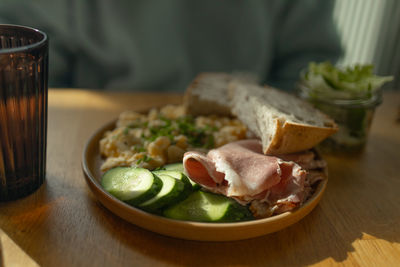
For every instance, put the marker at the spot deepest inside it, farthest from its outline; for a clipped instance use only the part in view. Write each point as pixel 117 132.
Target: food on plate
pixel 252 158
pixel 208 93
pixel 132 185
pixel 284 123
pixel 170 193
pixel 176 171
pixel 174 167
pixel 203 206
pixel 269 184
pixel 149 191
pixel 163 135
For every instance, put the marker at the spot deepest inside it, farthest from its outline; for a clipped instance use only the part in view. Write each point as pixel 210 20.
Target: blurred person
pixel 160 45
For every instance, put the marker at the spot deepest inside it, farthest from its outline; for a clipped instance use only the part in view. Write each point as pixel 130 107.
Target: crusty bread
pixel 284 123
pixel 208 93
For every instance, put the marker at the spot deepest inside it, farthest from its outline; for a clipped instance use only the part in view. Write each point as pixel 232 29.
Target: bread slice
pixel 208 93
pixel 284 123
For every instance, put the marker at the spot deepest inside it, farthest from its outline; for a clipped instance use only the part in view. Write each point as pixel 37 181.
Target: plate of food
pixel 236 160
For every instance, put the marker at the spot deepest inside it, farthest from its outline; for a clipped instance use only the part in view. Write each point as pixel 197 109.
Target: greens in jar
pixel 353 82
pixel 349 95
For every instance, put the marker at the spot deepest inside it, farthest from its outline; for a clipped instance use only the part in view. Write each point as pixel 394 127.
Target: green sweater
pixel 161 45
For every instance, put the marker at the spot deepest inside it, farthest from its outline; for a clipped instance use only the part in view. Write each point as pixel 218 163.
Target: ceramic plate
pixel 92 161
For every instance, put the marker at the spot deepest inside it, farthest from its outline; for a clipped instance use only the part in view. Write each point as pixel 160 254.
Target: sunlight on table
pixel 12 255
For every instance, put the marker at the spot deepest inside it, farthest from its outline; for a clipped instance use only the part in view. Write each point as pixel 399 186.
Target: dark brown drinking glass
pixel 23 110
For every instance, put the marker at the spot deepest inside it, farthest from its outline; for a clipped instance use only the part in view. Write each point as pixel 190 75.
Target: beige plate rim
pixel 185 229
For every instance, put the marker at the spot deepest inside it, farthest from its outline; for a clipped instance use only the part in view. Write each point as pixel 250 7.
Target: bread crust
pixel 219 94
pixel 279 135
pixel 197 104
pixel 294 137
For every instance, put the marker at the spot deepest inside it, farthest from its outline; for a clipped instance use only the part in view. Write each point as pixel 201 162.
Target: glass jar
pixel 353 116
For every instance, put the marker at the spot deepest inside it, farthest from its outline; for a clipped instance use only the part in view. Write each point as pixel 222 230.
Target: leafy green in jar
pixel 349 95
pixel 352 82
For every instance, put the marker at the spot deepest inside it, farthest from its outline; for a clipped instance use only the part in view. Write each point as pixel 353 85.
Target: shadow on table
pixel 287 247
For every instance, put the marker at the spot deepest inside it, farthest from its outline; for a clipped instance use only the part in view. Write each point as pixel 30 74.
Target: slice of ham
pixel 305 159
pixel 240 170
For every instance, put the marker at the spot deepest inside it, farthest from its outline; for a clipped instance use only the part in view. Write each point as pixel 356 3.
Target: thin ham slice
pixel 240 170
pixel 305 159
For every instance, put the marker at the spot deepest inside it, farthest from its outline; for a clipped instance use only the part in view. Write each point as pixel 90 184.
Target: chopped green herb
pixel 210 128
pixel 126 131
pixel 144 159
pixel 197 137
pixel 139 148
pixel 209 142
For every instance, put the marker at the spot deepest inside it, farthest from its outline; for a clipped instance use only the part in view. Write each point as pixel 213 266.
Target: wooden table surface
pixel 62 224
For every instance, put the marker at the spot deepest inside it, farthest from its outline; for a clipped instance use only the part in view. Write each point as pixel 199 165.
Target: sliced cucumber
pixel 170 193
pixel 174 167
pixel 177 174
pixel 208 207
pixel 130 184
pixel 195 186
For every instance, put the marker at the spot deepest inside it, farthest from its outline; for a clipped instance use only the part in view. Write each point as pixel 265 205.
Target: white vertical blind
pixel 359 22
pixel 370 31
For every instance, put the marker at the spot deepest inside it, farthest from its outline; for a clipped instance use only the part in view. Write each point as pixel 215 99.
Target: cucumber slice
pixel 178 175
pixel 174 167
pixel 208 207
pixel 195 186
pixel 130 184
pixel 170 193
pixel 181 177
pixel 175 174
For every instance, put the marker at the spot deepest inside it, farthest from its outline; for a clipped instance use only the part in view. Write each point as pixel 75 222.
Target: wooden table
pixel 63 224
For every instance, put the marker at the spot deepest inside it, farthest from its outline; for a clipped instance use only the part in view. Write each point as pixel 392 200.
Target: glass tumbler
pixel 23 110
